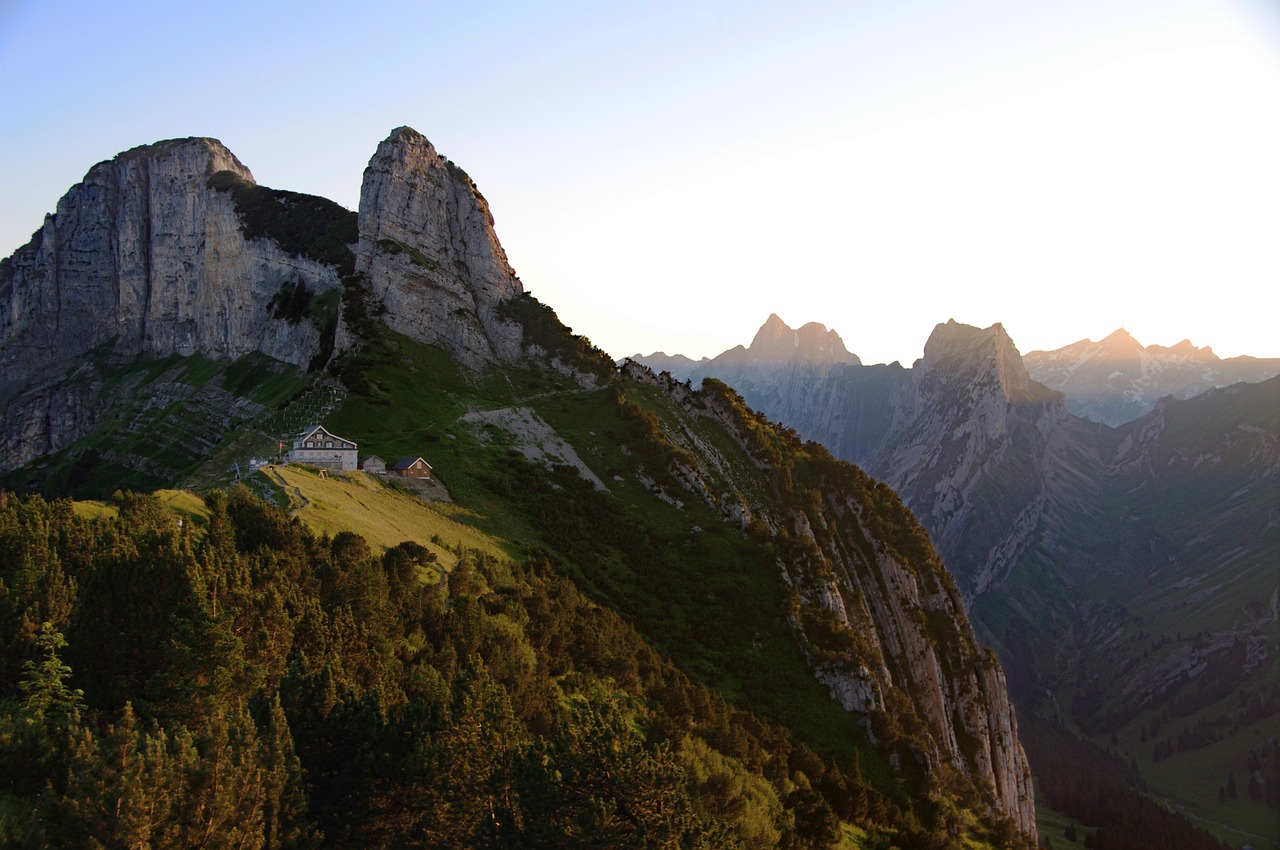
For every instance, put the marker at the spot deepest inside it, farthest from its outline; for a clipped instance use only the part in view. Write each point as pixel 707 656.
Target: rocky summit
pixel 147 257
pixel 429 251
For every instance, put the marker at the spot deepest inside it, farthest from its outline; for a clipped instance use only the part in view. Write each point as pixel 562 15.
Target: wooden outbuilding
pixel 374 464
pixel 412 467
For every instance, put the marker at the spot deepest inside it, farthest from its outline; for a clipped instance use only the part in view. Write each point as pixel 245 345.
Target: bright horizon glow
pixel 665 177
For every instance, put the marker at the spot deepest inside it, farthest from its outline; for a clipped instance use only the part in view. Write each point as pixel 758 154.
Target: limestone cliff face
pixel 428 249
pixel 969 451
pixel 912 618
pixel 859 566
pixel 142 257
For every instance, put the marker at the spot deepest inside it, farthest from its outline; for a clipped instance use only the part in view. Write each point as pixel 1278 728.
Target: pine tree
pixel 44 685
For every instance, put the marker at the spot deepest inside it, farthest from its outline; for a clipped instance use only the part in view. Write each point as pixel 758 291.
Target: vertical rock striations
pixel 142 258
pixel 881 621
pixel 146 257
pixel 428 249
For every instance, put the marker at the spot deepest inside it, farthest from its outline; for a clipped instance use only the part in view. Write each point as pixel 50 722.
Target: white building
pixel 317 447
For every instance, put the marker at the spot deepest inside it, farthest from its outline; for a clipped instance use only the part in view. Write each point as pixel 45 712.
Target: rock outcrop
pixel 968 449
pixel 145 257
pixel 142 258
pixel 429 251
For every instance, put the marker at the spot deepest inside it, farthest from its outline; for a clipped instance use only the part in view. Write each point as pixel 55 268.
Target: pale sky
pixel 665 175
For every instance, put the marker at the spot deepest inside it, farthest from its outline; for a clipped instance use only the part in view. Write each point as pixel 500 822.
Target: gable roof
pixel 406 462
pixel 310 431
pixel 371 458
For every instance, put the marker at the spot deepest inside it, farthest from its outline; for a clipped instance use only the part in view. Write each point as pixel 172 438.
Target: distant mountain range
pixel 1128 576
pixel 1117 380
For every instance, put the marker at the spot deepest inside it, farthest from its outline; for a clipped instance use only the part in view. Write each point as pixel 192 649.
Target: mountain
pixel 1117 380
pixel 677 365
pixel 754 634
pixel 1126 576
pixel 425 230
pixel 167 250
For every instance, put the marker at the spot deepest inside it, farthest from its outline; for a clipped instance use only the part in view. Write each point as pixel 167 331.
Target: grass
pixel 381 513
pixel 698 589
pixel 1053 825
pixel 167 419
pixel 1189 783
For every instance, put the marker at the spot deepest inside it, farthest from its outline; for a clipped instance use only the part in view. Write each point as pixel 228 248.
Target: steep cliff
pixel 429 251
pixel 1125 575
pixel 969 449
pixel 144 257
pixel 881 621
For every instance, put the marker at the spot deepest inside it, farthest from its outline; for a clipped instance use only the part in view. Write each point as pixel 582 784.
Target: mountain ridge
pixel 1117 379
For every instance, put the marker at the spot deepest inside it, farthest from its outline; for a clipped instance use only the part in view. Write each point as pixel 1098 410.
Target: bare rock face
pixel 428 249
pixel 142 258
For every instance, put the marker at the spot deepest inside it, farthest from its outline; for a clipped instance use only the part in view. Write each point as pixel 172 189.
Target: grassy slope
pixel 698 590
pixel 373 507
pixel 165 421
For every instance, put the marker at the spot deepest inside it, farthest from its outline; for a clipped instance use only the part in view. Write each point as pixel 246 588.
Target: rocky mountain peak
pixel 1184 350
pixel 1119 340
pixel 968 355
pixel 147 255
pixel 429 250
pixel 196 157
pixel 776 341
pixel 1117 380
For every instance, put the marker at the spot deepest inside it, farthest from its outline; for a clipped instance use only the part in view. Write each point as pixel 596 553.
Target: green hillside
pixel 592 640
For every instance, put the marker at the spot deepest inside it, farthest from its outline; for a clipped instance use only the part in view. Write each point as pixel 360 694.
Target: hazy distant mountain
pixel 1117 380
pixel 679 366
pixel 1126 575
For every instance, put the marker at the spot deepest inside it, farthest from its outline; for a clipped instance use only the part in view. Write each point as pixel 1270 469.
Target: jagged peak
pixel 776 340
pixel 961 351
pixel 400 142
pixel 1186 349
pixel 1120 340
pixel 428 247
